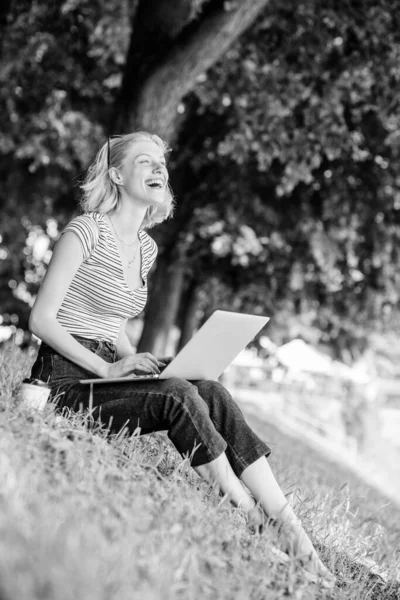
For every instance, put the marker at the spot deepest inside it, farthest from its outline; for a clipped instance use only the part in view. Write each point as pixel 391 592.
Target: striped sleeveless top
pixel 99 299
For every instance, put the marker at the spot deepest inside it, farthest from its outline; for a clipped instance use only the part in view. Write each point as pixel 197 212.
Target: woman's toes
pixel 299 546
pixel 327 575
pixel 316 567
pixel 256 519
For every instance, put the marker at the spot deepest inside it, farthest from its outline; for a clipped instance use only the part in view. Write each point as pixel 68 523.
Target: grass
pixel 83 517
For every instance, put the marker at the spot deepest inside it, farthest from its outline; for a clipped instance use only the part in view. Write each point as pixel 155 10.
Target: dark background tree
pixel 283 118
pixel 75 71
pixel 303 122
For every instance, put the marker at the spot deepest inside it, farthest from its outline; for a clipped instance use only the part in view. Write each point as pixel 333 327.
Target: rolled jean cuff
pixel 255 451
pixel 203 455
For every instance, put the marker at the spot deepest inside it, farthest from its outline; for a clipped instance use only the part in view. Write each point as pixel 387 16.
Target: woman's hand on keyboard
pixel 164 361
pixel 134 364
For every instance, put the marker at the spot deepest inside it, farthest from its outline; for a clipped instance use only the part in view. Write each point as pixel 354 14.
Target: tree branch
pixel 171 17
pixel 155 105
pixel 155 26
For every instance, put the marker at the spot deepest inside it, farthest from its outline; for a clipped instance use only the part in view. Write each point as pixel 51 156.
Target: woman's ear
pixel 115 176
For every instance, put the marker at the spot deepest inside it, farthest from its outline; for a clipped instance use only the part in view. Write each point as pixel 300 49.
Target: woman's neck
pixel 127 220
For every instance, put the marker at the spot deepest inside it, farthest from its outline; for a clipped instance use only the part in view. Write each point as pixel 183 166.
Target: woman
pixel 95 282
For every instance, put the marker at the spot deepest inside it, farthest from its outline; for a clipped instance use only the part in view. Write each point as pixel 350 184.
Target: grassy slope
pixel 83 518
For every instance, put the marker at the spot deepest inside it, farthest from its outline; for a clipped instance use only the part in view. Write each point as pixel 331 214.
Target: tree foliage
pixel 59 69
pixel 304 139
pixel 72 72
pixel 285 160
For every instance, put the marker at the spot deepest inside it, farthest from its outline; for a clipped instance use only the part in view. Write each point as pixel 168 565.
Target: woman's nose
pixel 159 167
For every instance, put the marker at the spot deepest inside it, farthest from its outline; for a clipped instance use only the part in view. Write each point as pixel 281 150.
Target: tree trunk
pixel 162 307
pixel 157 103
pixel 159 72
pixel 5 9
pixel 190 314
pixel 152 100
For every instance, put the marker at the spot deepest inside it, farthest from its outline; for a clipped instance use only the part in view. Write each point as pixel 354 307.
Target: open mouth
pixel 155 183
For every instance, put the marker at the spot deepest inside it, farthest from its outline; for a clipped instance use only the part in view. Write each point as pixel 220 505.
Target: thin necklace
pixel 122 241
pixel 132 260
pixel 137 242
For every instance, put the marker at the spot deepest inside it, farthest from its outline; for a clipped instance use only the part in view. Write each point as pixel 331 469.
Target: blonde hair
pixel 101 193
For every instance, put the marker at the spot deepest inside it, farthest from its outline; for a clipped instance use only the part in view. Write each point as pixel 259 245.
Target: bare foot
pixel 300 547
pixel 255 516
pixel 256 519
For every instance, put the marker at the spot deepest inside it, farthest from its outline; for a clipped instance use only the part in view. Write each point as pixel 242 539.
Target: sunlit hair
pixel 101 194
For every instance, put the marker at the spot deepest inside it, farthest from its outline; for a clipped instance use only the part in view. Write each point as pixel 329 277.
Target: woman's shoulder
pixel 92 220
pixel 147 240
pixel 93 216
pixel 150 248
pixel 88 219
pixel 86 228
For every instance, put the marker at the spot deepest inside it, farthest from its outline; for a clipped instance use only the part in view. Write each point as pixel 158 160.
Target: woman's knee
pixel 219 401
pixel 206 395
pixel 213 391
pixel 180 390
pixel 183 398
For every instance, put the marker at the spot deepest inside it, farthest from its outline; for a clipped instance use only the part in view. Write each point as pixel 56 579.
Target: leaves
pixel 303 117
pixel 286 165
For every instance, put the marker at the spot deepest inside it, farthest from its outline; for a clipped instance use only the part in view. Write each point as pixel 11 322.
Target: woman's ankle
pixel 246 503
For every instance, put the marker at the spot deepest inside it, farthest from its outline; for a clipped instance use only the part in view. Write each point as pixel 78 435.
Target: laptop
pixel 207 354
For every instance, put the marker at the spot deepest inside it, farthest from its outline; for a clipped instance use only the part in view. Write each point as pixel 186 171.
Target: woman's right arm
pixel 66 259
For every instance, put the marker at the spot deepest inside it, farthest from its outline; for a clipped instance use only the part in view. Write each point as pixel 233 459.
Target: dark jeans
pixel 196 413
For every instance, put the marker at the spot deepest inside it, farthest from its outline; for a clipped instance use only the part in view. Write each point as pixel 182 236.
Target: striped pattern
pixel 99 299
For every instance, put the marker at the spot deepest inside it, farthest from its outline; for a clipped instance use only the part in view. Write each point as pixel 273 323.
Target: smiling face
pixel 144 173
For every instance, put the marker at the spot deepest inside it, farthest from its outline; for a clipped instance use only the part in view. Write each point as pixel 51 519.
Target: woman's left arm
pixel 124 347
